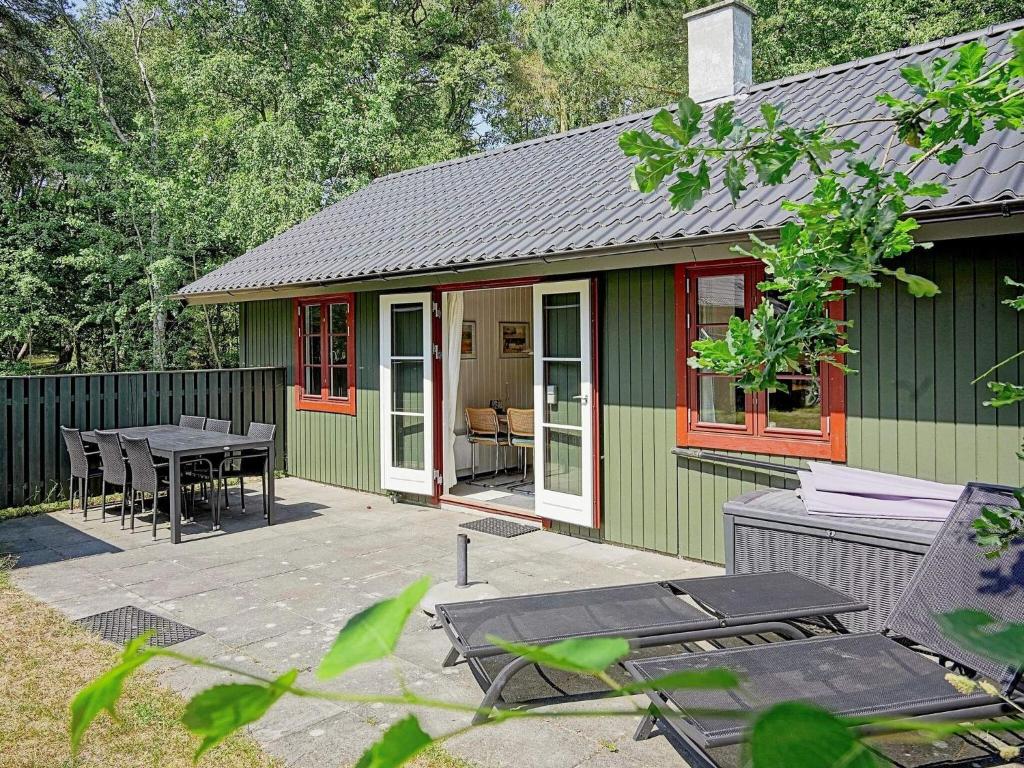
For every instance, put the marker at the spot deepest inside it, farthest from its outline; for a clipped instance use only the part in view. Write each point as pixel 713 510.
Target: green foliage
pixel 796 735
pixel 373 633
pixel 996 528
pixel 219 711
pixel 399 744
pixel 979 632
pixel 856 222
pixel 103 692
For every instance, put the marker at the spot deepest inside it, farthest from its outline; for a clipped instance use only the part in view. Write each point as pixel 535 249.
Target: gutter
pixel 1003 209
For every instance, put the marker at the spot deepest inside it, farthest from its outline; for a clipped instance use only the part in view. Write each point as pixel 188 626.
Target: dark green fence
pixel 33 462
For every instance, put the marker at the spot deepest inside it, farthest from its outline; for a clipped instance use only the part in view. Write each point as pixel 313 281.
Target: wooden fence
pixel 33 461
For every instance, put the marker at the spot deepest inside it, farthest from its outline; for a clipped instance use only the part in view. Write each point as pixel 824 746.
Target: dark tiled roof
pixel 570 191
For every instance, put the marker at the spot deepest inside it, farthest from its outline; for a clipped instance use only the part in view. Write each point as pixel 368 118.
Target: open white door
pixel 563 402
pixel 406 394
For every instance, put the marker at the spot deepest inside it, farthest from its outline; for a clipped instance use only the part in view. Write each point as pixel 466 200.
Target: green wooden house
pixel 532 275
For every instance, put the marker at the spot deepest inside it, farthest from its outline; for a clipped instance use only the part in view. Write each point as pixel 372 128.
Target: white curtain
pixel 451 324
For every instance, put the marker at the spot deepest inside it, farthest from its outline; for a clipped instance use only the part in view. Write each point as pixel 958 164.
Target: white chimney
pixel 719 50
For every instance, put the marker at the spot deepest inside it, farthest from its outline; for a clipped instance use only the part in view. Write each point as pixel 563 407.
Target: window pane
pixel 339 318
pixel 563 461
pixel 407 442
pixel 339 382
pixel 564 377
pixel 407 330
pixel 800 408
pixel 711 332
pixel 339 350
pixel 720 400
pixel 561 324
pixel 312 380
pixel 407 386
pixel 312 353
pixel 312 318
pixel 719 298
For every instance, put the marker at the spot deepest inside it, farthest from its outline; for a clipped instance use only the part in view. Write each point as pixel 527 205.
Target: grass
pixel 45 660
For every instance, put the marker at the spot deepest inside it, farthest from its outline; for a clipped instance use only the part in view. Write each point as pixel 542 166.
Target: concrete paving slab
pixel 271 599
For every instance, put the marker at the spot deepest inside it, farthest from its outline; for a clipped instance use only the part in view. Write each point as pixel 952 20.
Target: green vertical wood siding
pixel 332 448
pixel 911 407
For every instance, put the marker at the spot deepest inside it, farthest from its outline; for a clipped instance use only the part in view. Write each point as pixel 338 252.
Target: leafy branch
pixel 857 219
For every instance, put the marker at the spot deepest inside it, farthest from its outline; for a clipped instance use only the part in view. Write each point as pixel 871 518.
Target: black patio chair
pixel 248 463
pixel 151 477
pixel 192 422
pixel 84 467
pixel 648 615
pixel 899 671
pixel 115 468
pixel 218 425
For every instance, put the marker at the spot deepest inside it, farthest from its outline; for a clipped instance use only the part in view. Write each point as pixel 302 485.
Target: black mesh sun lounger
pixel 651 614
pixel 895 672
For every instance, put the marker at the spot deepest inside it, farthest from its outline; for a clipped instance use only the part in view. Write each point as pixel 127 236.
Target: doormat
pixel 498 527
pixel 124 624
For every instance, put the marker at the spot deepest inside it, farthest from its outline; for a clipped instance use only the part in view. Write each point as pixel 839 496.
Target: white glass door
pixel 406 392
pixel 563 402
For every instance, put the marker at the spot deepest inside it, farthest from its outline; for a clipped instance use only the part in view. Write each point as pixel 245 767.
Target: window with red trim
pixel 325 368
pixel 808 420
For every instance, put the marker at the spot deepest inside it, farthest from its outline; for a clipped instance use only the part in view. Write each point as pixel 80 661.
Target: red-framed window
pixel 325 354
pixel 809 420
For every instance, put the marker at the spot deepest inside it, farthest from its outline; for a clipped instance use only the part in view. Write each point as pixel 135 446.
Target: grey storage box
pixel 869 559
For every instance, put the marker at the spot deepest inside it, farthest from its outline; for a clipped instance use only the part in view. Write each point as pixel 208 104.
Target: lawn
pixel 45 660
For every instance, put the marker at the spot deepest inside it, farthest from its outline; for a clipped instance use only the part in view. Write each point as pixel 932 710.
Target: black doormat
pixel 498 527
pixel 124 624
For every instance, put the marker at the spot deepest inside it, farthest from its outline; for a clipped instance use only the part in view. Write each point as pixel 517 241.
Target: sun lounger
pixel 651 614
pixel 896 672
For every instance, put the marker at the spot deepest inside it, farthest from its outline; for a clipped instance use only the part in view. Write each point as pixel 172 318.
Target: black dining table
pixel 174 443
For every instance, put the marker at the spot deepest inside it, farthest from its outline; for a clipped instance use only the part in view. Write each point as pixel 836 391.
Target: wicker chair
pixel 115 469
pixel 149 477
pixel 192 422
pixel 484 428
pixel 249 463
pixel 218 425
pixel 83 468
pixel 520 432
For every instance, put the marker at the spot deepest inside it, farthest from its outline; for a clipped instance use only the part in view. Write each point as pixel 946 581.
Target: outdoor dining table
pixel 174 443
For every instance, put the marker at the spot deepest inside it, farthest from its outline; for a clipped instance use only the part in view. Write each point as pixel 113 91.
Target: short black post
pixel 461 557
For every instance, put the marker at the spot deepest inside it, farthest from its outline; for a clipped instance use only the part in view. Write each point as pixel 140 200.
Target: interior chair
pixel 484 428
pixel 192 422
pixel 248 463
pixel 115 469
pixel 218 425
pixel 84 467
pixel 520 433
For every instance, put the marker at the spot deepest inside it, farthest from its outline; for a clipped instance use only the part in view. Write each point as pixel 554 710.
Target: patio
pixel 272 598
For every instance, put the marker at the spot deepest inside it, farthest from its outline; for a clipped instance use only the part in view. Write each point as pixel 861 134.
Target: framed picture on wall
pixel 514 337
pixel 469 340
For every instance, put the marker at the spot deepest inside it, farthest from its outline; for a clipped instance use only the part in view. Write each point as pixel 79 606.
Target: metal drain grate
pixel 498 527
pixel 123 624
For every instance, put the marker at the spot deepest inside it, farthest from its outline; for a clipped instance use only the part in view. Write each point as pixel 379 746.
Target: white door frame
pixel 556 505
pixel 402 479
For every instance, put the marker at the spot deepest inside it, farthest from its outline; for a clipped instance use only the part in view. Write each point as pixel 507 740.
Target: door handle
pixel 581 398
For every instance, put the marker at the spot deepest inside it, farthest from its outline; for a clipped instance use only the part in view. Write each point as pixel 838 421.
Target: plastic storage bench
pixel 869 559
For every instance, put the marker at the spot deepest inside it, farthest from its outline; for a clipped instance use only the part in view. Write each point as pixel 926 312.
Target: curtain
pixel 451 325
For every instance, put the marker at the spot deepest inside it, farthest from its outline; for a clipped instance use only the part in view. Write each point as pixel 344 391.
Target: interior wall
pixel 489 376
